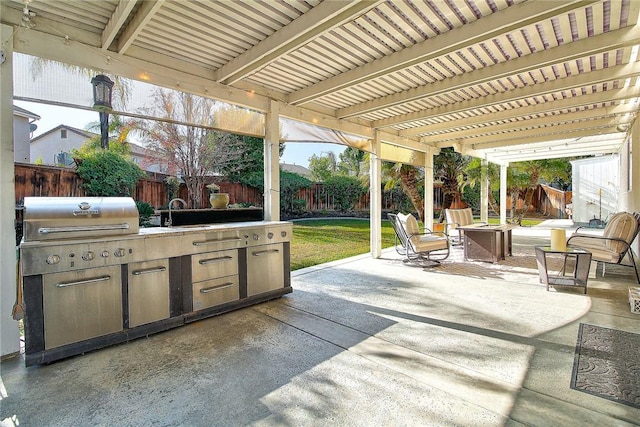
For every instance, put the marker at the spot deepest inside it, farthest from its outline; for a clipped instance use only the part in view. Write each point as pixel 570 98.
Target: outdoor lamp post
pixel 102 87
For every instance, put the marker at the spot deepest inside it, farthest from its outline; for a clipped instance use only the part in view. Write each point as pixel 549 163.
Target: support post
pixel 428 188
pixel 272 163
pixel 9 334
pixel 484 190
pixel 503 194
pixel 375 195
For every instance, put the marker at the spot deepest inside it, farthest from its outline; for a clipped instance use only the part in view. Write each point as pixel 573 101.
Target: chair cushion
pixel 598 247
pixel 421 242
pixel 410 225
pixel 621 226
pixel 459 217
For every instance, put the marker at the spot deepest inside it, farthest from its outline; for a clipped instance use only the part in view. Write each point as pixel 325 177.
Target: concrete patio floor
pixel 360 341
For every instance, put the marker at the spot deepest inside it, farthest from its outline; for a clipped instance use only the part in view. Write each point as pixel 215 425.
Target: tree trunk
pixel 410 187
pixel 495 208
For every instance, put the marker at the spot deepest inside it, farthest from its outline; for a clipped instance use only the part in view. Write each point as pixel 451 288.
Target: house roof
pixel 134 148
pixel 298 169
pixel 19 111
pixel 500 79
pixel 82 133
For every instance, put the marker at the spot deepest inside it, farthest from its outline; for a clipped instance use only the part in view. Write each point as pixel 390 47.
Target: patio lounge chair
pixel 613 243
pixel 424 248
pixel 457 220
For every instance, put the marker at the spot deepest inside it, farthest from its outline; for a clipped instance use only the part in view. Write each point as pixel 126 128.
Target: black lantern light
pixel 102 90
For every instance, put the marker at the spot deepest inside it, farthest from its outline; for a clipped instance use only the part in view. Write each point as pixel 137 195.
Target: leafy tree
pixel 194 151
pixel 547 169
pixel 345 191
pixel 473 177
pixel 409 178
pixel 322 167
pixel 247 169
pixel 350 163
pixel 119 130
pixel 290 184
pixel 108 173
pixel 449 166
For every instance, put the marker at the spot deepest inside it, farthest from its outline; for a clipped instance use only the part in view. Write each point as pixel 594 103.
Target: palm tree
pixel 474 175
pixel 408 177
pixel 533 171
pixel 448 167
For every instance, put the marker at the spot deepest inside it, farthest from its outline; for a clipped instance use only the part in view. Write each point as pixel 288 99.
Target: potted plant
pixel 218 200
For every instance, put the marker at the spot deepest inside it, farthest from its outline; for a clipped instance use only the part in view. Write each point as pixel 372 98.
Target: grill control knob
pixel 104 254
pixel 120 252
pixel 270 235
pixel 88 256
pixel 256 237
pixel 53 259
pixel 283 234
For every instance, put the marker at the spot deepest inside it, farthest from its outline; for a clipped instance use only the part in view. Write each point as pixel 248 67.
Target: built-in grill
pixel 92 278
pixel 54 218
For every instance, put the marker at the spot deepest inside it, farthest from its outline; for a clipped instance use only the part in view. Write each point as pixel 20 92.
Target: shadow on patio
pixel 360 341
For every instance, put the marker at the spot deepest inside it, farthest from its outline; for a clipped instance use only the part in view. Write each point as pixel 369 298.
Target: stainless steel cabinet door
pixel 148 292
pixel 80 305
pixel 265 268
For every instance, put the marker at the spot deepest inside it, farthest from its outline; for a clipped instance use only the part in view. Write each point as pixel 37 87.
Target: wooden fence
pixel 52 181
pixel 552 202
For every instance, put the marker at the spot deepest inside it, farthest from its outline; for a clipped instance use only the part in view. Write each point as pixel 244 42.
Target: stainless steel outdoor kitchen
pixel 93 278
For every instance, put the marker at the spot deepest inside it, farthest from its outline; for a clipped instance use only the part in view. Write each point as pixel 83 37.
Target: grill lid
pixel 50 218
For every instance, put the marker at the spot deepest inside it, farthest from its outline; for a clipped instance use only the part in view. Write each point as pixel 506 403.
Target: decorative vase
pixel 219 200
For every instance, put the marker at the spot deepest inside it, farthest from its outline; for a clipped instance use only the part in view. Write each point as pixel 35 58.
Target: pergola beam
pixel 619 72
pixel 606 42
pixel 322 18
pixel 510 19
pixel 118 18
pixel 137 24
pixel 578 118
pixel 616 95
pixel 519 139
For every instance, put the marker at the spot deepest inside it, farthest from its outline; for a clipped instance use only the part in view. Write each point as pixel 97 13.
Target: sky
pixel 52 116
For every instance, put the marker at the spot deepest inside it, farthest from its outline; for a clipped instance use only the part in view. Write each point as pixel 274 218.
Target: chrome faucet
pixel 177 199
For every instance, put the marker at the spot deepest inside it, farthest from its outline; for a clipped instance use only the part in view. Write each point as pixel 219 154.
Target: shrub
pixel 145 210
pixel 107 173
pixel 345 191
pixel 290 184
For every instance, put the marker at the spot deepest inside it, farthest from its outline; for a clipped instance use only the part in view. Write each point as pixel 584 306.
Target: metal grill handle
pixel 215 288
pixel 70 229
pixel 149 271
pixel 267 251
pixel 214 260
pixel 83 282
pixel 210 242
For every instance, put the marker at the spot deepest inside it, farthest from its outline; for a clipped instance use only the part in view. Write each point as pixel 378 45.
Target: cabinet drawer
pixel 212 292
pixel 214 264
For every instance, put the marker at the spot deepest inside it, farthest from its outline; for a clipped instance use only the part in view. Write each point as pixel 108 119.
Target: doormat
pixel 607 364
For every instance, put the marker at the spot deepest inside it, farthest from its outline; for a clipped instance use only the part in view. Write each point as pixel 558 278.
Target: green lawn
pixel 319 241
pixel 324 240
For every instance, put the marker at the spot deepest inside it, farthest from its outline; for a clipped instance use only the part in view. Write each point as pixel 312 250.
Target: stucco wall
pixel 48 146
pixel 21 134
